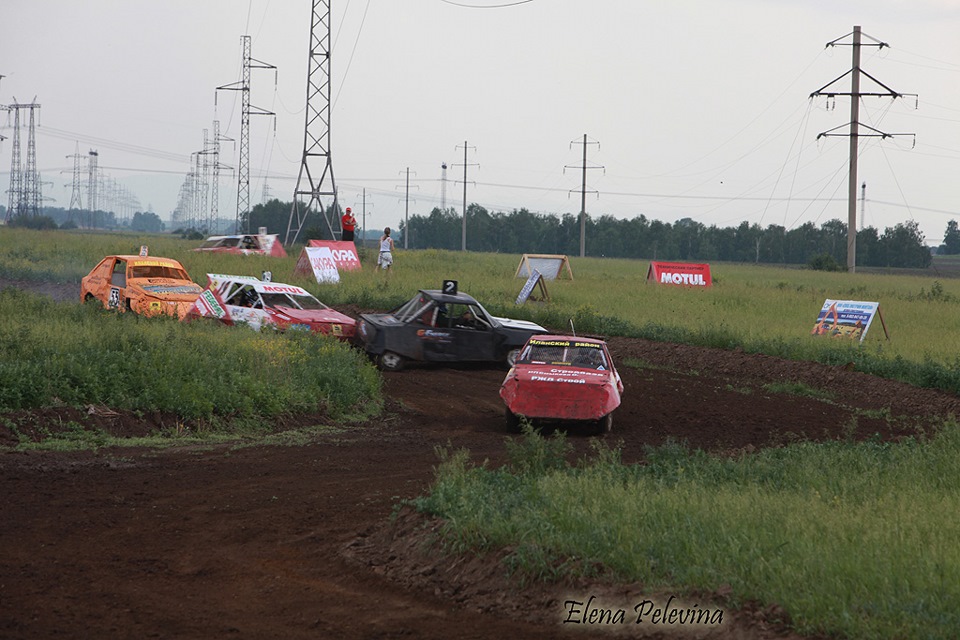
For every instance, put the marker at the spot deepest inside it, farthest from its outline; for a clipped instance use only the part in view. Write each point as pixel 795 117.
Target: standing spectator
pixel 348 223
pixel 386 251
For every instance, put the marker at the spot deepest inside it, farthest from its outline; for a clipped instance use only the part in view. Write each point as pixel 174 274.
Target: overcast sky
pixel 692 108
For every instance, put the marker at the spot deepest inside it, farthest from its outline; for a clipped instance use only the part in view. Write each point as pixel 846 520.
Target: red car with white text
pixel 248 244
pixel 263 304
pixel 561 379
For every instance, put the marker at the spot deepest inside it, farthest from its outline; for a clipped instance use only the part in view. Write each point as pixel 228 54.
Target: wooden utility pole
pixel 583 192
pixel 854 132
pixel 463 233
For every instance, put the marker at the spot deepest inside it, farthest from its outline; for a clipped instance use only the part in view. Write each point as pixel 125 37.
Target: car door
pixel 473 337
pixel 245 306
pixel 429 328
pixel 117 294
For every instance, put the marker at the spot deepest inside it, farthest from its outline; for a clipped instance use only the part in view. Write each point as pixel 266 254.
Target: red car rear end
pixel 563 378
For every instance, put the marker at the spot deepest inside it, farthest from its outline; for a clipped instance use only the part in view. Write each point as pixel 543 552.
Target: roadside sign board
pixel 535 280
pixel 847 319
pixel 680 273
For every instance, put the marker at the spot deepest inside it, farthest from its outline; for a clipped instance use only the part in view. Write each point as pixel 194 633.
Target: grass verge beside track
pixel 850 539
pixel 69 354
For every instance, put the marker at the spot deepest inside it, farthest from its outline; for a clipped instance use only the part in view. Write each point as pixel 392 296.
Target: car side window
pixel 119 276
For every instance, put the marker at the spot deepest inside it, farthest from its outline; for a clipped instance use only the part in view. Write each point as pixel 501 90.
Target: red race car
pixel 261 304
pixel 563 379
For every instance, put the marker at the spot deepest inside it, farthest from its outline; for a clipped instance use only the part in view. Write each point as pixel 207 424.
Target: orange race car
pixel 146 285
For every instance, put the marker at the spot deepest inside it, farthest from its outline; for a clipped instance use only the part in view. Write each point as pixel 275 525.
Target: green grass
pixel 855 540
pixel 851 539
pixel 64 353
pixel 756 308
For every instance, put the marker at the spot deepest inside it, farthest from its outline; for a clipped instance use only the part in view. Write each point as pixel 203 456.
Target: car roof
pixel 147 261
pixel 448 298
pixel 260 286
pixel 547 337
pixel 241 235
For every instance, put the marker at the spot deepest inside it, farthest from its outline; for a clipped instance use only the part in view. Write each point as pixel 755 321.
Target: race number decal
pixel 450 287
pixel 114 301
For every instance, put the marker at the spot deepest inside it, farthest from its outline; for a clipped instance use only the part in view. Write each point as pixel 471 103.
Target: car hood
pixel 526 325
pixel 168 289
pixel 326 316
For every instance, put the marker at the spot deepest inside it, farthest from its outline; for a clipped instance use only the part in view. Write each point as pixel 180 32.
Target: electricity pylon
pixel 25 184
pixel 463 228
pixel 854 133
pixel 243 173
pixel 583 191
pixel 316 136
pixel 75 201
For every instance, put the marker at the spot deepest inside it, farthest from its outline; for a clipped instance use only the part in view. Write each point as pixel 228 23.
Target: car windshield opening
pixel 158 272
pixel 569 354
pixel 292 301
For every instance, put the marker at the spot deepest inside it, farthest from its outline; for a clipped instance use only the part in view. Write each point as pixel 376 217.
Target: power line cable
pixel 486 6
pixel 356 40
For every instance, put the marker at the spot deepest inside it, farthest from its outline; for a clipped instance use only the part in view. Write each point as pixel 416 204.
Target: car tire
pixel 604 425
pixel 511 357
pixel 390 361
pixel 513 421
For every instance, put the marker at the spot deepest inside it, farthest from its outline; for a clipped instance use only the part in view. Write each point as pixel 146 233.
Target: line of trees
pixel 521 231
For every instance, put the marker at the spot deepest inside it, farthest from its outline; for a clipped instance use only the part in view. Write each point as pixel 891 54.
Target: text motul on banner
pixel 680 273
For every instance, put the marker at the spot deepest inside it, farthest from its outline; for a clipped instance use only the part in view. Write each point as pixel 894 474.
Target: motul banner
pixel 681 273
pixel 344 253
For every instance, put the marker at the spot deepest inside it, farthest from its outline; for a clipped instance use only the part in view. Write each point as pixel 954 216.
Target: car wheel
pixel 513 421
pixel 511 358
pixel 390 361
pixel 604 424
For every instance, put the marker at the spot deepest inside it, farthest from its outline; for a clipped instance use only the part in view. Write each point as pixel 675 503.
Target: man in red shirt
pixel 348 223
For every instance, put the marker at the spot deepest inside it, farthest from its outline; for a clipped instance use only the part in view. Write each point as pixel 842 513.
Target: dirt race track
pixel 297 542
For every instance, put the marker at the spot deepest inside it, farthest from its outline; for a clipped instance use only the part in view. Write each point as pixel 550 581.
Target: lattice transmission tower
pixel 16 170
pixel 215 184
pixel 25 186
pixel 243 173
pixel 315 179
pixel 93 182
pixel 75 201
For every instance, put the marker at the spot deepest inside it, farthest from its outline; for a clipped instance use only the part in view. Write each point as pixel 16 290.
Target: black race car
pixel 440 327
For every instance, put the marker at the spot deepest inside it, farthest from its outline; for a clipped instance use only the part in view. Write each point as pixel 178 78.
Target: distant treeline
pixel 520 231
pixel 524 232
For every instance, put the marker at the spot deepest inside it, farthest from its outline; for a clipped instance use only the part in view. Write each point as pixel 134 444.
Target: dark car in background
pixel 434 326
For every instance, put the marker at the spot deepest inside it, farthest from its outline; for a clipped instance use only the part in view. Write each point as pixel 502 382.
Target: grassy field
pixel 756 308
pixel 63 353
pixel 855 540
pixel 80 354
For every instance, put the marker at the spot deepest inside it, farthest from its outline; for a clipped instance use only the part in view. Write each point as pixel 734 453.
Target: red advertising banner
pixel 680 273
pixel 344 253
